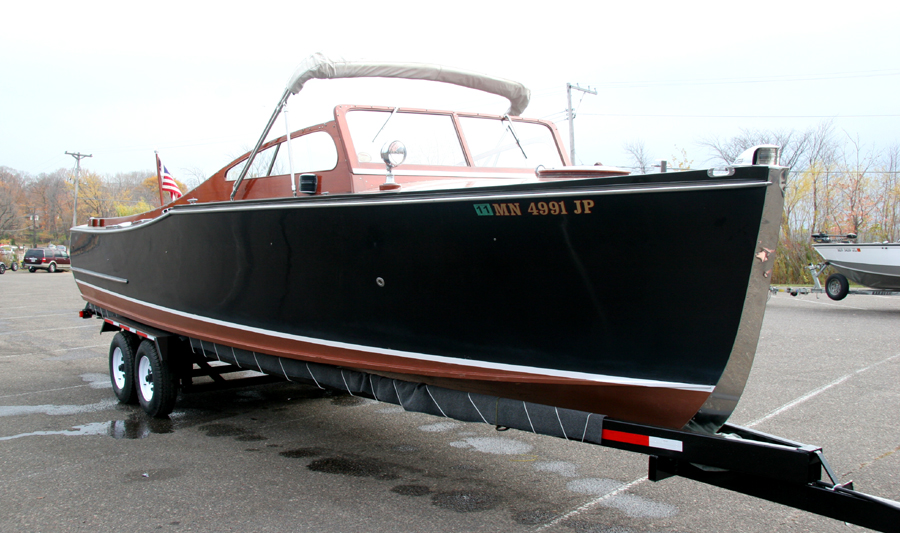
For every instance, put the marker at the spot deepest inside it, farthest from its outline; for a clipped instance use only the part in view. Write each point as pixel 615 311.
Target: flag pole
pixel 162 201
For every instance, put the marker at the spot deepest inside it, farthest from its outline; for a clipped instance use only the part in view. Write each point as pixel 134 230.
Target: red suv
pixel 49 259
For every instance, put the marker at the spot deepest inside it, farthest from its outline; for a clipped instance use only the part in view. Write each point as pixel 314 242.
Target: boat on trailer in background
pixel 457 264
pixel 873 264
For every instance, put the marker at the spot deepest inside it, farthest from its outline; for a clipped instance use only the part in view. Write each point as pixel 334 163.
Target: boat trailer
pixel 735 458
pixel 836 286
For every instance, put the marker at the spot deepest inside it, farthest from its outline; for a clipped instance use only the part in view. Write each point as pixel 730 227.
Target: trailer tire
pixel 154 383
pixel 837 287
pixel 14 266
pixel 2 269
pixel 121 368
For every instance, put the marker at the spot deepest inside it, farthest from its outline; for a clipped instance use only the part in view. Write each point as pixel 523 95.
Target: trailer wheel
pixel 2 269
pixel 837 286
pixel 121 368
pixel 155 386
pixel 14 266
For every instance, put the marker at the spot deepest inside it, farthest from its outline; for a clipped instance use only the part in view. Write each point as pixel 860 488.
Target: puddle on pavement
pixel 219 429
pixel 54 410
pixel 97 428
pixel 135 427
pixel 411 490
pixel 465 501
pixel 299 453
pixel 139 427
pixel 354 467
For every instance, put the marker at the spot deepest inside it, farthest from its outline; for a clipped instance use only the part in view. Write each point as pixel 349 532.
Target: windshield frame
pixel 368 167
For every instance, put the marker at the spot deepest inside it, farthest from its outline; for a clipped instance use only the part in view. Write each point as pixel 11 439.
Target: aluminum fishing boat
pixel 873 264
pixel 461 251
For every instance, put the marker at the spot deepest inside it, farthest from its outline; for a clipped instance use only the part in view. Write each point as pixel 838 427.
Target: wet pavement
pixel 285 457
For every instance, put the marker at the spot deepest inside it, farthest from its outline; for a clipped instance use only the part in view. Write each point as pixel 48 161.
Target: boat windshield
pixel 431 139
pixel 493 143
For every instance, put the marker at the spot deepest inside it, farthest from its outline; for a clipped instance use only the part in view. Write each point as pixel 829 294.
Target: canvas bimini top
pixel 318 66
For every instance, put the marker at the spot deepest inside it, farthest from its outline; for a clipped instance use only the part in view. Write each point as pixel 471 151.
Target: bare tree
pixel 798 149
pixel 639 156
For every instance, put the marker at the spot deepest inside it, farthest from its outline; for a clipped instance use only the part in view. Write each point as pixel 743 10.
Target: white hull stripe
pixel 599 378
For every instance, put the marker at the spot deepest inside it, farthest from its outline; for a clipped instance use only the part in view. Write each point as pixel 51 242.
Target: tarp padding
pixel 317 66
pixel 419 397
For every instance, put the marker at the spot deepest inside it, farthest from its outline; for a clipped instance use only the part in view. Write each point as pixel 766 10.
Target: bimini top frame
pixel 317 66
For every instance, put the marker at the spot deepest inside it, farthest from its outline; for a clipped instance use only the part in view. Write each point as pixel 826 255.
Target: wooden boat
pixel 484 263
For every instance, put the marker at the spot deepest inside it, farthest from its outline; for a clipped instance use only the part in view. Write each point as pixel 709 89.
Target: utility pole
pixel 78 157
pixel 34 219
pixel 570 113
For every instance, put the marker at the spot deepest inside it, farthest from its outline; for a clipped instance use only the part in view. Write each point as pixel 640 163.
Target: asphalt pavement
pixel 285 457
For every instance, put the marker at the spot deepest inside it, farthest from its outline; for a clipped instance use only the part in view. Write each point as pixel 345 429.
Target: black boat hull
pixel 609 296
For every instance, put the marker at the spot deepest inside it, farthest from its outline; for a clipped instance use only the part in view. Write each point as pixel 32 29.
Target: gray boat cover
pixel 419 397
pixel 317 66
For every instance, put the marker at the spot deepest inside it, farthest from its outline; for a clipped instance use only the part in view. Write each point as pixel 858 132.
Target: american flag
pixel 168 182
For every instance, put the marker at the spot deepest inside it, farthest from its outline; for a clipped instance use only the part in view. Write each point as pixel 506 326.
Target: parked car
pixel 8 259
pixel 49 259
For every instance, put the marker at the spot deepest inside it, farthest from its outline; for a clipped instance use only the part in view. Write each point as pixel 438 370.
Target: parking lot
pixel 285 457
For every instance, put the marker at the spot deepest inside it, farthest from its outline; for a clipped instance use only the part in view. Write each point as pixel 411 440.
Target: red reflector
pixel 643 440
pixel 628 438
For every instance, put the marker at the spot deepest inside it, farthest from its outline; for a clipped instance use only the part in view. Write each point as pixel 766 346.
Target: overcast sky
pixel 197 81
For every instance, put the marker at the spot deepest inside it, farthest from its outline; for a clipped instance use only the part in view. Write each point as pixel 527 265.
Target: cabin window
pixel 493 145
pixel 259 168
pixel 314 152
pixel 429 139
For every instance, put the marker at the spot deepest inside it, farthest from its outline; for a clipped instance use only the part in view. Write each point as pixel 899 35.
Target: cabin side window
pixel 259 168
pixel 314 152
pixel 493 144
pixel 429 139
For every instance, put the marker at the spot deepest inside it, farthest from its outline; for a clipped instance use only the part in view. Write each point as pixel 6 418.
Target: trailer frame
pixel 735 458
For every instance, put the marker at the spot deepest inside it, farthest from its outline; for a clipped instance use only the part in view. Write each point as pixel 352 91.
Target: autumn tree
pixel 11 195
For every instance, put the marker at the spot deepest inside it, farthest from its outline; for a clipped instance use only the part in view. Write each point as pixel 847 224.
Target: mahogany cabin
pixel 445 150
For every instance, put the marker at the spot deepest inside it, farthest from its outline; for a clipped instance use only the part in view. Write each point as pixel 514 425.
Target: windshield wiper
pixel 385 123
pixel 516 137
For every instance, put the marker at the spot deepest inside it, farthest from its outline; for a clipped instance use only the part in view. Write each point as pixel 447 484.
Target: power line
pixel 738 116
pixel 756 79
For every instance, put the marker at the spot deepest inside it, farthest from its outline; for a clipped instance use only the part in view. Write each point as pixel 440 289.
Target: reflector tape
pixel 643 440
pixel 127 328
